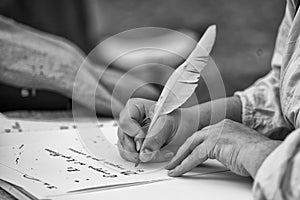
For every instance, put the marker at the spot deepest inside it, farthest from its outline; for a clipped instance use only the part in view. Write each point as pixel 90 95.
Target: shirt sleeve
pixel 261 102
pixel 279 175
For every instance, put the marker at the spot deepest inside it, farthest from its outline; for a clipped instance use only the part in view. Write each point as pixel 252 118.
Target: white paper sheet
pixel 58 162
pixel 20 125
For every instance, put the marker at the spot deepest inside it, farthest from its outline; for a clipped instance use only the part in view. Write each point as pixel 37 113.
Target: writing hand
pixel 161 142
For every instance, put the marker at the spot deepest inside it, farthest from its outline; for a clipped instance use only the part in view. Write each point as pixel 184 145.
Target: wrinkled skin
pixel 161 142
pixel 237 147
pixel 33 59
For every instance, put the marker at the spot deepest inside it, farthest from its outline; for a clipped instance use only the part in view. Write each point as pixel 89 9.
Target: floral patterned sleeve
pixel 272 105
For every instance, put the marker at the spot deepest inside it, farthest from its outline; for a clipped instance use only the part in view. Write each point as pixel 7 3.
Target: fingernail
pixel 146 155
pixel 145 158
pixel 176 171
pixel 138 145
pixel 170 173
pixel 147 151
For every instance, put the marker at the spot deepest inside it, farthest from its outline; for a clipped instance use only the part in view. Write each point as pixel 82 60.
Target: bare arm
pixel 215 111
pixel 30 58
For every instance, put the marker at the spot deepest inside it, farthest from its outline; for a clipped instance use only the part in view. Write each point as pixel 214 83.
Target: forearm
pixel 215 111
pixel 33 59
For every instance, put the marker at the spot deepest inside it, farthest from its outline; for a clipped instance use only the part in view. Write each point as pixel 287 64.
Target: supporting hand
pixel 237 147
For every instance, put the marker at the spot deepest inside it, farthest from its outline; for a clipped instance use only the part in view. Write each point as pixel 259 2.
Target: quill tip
pixel 213 26
pixel 212 29
pixel 208 39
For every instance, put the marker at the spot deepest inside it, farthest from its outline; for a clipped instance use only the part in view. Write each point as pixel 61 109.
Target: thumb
pixel 157 137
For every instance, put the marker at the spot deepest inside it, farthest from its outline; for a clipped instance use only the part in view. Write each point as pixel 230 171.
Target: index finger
pixel 190 144
pixel 156 138
pixel 197 157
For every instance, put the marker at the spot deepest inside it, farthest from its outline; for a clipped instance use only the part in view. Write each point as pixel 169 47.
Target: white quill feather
pixel 184 80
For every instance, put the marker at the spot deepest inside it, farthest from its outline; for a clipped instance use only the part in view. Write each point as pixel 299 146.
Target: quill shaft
pixel 184 80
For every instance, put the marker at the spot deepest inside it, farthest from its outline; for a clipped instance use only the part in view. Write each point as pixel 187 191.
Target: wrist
pixel 199 115
pixel 212 112
pixel 255 154
pixel 184 125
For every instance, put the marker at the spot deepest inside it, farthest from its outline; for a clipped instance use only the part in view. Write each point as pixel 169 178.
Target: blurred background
pixel 245 41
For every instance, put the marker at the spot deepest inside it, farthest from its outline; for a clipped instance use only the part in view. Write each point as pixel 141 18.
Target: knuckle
pixel 124 118
pixel 122 123
pixel 132 101
pixel 193 157
pixel 133 108
pixel 198 153
pixel 189 144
